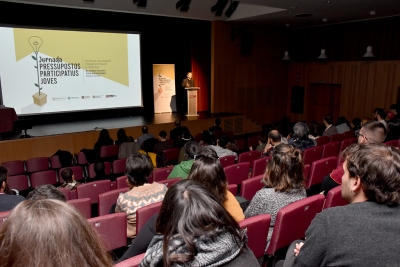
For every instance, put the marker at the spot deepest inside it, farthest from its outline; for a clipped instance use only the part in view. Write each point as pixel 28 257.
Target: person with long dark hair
pixel 195 230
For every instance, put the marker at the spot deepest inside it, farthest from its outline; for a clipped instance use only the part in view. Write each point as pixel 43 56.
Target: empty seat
pixel 14 167
pixel 169 182
pixel 257 232
pixel 161 174
pixel 143 214
pixel 259 166
pixel 237 173
pixel 331 150
pixel 250 187
pixel 118 167
pixel 109 153
pixel 249 156
pixel 112 229
pixel 334 198
pixel 107 199
pixel 37 164
pixel 348 135
pixel 43 177
pixel 336 138
pixel 93 189
pixel 227 160
pixel 83 205
pixel 322 140
pixel 319 169
pixel 19 182
pixel 312 154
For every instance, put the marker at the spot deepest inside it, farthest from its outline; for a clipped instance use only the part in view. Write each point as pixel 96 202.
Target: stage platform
pixel 73 136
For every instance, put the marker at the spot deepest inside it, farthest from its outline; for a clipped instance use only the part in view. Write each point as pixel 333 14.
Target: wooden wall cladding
pixel 365 84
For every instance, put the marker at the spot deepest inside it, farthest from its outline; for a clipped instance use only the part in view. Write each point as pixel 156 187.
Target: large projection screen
pixel 49 71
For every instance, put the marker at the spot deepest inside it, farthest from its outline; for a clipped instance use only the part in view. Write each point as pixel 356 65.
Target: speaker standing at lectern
pixel 188 82
pixel 182 100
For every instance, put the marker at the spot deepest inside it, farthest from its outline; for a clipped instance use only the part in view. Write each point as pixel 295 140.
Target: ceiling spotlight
pixel 323 55
pixel 372 13
pixel 183 5
pixel 231 8
pixel 286 56
pixel 218 8
pixel 369 52
pixel 324 19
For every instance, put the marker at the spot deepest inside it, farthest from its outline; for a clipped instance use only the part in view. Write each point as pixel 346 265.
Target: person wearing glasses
pixel 373 133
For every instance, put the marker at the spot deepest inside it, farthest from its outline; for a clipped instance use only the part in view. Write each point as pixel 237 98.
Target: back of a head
pixel 145 130
pixel 395 107
pixel 99 168
pixel 378 167
pixel 381 112
pixel 138 169
pixel 218 121
pixel 328 118
pixel 163 134
pixel 161 159
pixel 223 140
pixel 46 191
pixel 207 137
pixel 191 149
pixel 190 210
pixel 275 136
pixel 66 174
pixel 121 135
pixel 341 120
pixel 300 131
pixel 177 123
pixel 46 233
pixel 285 170
pixel 104 135
pixel 208 170
pixel 375 131
pixel 357 123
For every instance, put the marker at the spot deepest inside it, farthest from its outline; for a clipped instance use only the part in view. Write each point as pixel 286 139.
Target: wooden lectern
pixel 192 100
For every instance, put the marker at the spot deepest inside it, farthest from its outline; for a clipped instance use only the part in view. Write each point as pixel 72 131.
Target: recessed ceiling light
pixel 326 2
pixel 373 13
pixel 287 25
pixel 324 19
pixel 289 12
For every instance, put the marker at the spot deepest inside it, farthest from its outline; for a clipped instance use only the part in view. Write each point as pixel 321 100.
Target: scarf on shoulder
pixel 215 249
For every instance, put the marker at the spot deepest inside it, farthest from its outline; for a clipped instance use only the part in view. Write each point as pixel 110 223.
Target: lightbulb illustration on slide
pixel 38 98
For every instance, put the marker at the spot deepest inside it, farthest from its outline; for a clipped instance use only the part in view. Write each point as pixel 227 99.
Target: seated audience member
pixel 207 139
pixel 103 140
pixel 216 126
pixel 186 137
pixel 221 148
pixel 176 133
pixel 314 130
pixel 163 144
pixel 68 176
pixel 262 142
pixel 299 138
pixel 372 132
pixel 330 129
pixel 365 232
pixel 284 180
pixel 195 230
pixel 46 191
pixel 100 171
pixel 122 137
pixel 380 115
pixel 394 108
pixel 182 169
pixel 7 199
pixel 341 125
pixel 161 160
pixel 393 127
pixel 356 125
pixel 207 169
pixel 145 135
pixel 50 233
pixel 274 139
pixel 138 169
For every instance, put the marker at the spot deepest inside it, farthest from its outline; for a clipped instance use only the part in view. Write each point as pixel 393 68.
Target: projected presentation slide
pixel 50 71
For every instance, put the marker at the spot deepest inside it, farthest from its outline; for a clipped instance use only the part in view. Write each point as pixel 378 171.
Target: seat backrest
pixel 241 143
pixel 65 191
pixel 118 166
pixel 249 156
pixel 319 169
pixel 393 143
pixel 227 160
pixel 306 171
pixel 252 141
pixel 107 199
pixel 217 134
pixel 93 189
pixel 233 188
pixel 55 162
pixel 172 155
pixel 250 187
pixel 334 198
pixel 198 137
pixel 293 220
pixel 109 152
pixel 336 137
pixel 259 166
pixel 78 173
pixel 19 182
pixel 83 205
pixel 170 182
pixel 237 173
pixel 257 232
pixel 112 229
pixel 81 158
pixel 312 154
pixel 4 216
pixel 348 134
pixel 322 140
pixel 131 262
pixel 43 177
pixel 37 164
pixel 121 182
pixel 107 167
pixel 161 174
pixel 143 214
pixel 14 167
pixel 331 150
pixel 345 143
